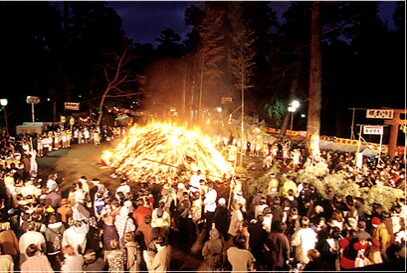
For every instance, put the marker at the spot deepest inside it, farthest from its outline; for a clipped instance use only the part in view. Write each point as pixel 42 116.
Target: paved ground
pixel 70 164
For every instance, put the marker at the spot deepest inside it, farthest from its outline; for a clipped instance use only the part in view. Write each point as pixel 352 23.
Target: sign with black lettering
pixel 379 113
pixel 372 130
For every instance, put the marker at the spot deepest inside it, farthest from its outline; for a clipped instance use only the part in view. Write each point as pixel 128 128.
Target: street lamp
pixel 3 103
pixel 292 107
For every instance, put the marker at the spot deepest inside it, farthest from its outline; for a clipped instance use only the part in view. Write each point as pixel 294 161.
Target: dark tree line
pixel 63 53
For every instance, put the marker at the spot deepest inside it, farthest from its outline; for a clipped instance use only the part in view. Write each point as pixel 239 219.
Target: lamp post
pixel 3 103
pixel 293 106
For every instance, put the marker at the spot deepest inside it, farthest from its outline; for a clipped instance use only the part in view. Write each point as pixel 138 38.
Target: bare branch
pixel 106 74
pixel 125 95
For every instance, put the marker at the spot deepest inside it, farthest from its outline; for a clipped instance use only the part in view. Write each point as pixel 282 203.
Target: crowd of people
pixel 137 225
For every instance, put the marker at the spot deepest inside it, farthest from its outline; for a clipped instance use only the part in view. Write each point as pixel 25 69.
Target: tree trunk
pixel 201 90
pixel 314 102
pixel 291 96
pixel 242 125
pixel 102 102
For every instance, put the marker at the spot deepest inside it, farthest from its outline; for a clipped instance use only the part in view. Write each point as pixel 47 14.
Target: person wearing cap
pixel 380 233
pixel 361 232
pixel 161 260
pixel 303 240
pixel 212 252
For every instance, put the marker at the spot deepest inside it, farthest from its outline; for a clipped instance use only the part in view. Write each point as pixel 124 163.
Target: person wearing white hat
pixel 221 218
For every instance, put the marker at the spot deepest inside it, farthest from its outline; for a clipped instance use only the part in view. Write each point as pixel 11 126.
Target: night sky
pixel 144 20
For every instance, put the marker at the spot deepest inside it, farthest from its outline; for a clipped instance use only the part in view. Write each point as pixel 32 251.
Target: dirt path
pixel 79 160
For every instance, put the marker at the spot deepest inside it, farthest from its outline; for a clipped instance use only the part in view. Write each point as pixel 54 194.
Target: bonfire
pixel 160 151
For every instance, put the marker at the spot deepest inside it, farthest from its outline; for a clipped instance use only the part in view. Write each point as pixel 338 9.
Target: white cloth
pixel 76 237
pixel 236 222
pixel 28 238
pixel 303 239
pixel 194 183
pixel 51 184
pixel 125 189
pixel 210 200
pixel 33 162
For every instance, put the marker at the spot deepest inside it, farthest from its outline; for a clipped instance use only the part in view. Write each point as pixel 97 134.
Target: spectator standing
pixel 6 262
pixel 73 261
pixel 303 240
pixel 36 261
pixel 279 247
pixel 116 258
pixel 239 257
pixel 236 220
pixel 161 260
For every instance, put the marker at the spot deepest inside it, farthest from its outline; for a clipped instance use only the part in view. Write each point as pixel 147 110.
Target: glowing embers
pixel 160 151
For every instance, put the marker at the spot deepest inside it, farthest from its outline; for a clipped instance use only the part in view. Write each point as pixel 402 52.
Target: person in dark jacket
pixel 221 218
pixel 109 232
pixel 279 247
pixel 258 237
pixel 53 235
pixel 314 261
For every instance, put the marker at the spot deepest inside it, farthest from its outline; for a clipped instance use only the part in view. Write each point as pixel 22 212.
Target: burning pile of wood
pixel 161 151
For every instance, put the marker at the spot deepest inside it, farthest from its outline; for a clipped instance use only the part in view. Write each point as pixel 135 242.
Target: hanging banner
pixel 372 130
pixel 379 113
pixel 74 106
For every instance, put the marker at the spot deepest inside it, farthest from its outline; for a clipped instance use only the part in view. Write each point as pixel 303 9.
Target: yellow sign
pixel 63 119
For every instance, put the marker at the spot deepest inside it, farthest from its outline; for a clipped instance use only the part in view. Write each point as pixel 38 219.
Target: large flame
pixel 163 151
